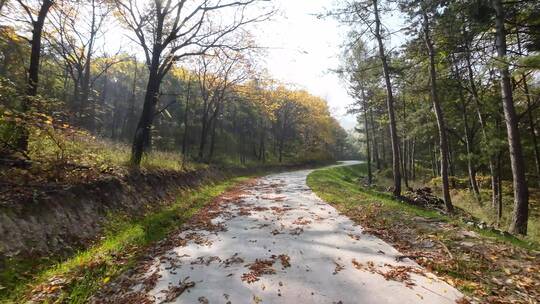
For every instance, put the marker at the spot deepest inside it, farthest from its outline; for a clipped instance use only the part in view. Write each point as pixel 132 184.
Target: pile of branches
pixel 424 197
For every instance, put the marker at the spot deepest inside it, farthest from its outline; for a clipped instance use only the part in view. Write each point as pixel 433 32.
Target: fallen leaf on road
pixel 258 268
pixel 357 264
pixel 249 277
pixel 175 291
pixel 354 236
pixel 285 260
pixel 301 221
pixel 338 268
pixel 235 259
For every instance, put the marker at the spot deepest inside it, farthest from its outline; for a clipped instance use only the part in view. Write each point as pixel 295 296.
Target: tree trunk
pixel 383 147
pixel 75 101
pixel 468 146
pixel 532 127
pixel 280 149
pixel 375 143
pixel 130 115
pixel 532 124
pixel 262 148
pixel 499 187
pixel 281 143
pixel 413 163
pixel 366 128
pixel 115 119
pixel 451 167
pixel 390 104
pixel 33 70
pixel 404 148
pixel 215 121
pixel 521 195
pixel 85 83
pixel 204 131
pixel 434 163
pixel 102 99
pixel 283 133
pixel 186 122
pixel 483 126
pixel 142 132
pixel 471 170
pixel 443 140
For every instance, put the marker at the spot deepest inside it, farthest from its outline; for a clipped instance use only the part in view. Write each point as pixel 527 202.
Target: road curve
pixel 278 242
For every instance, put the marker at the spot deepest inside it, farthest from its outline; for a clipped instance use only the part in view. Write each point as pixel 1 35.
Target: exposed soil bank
pixel 59 221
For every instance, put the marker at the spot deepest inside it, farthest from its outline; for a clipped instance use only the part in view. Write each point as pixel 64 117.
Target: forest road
pixel 279 243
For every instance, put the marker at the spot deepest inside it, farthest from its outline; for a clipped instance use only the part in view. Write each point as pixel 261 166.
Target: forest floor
pixel 485 215
pixel 487 266
pixel 274 241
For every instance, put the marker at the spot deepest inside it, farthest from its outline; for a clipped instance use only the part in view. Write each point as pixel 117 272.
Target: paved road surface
pixel 277 222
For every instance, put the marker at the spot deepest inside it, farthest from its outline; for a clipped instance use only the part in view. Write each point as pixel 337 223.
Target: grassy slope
pixel 117 251
pixel 472 269
pixel 340 186
pixel 465 199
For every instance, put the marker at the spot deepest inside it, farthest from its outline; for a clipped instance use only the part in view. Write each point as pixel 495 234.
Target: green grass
pixel 50 145
pixel 342 186
pixel 92 268
pixel 401 225
pixel 465 200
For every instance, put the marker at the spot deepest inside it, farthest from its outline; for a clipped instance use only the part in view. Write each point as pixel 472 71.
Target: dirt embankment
pixel 62 219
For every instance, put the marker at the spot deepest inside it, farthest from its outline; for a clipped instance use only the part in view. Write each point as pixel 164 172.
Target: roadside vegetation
pixel 458 96
pixel 487 265
pixel 482 213
pixel 76 278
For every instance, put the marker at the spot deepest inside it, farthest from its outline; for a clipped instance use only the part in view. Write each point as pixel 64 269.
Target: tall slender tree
pixel 441 124
pixel 36 15
pixel 377 32
pixel 521 192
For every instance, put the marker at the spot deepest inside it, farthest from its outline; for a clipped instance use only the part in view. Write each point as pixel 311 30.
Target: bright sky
pixel 303 49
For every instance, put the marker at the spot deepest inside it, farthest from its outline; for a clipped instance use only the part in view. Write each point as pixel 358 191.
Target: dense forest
pixel 184 85
pixel 459 97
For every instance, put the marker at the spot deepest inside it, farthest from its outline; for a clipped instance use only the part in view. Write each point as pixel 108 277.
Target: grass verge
pixel 486 266
pixel 74 280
